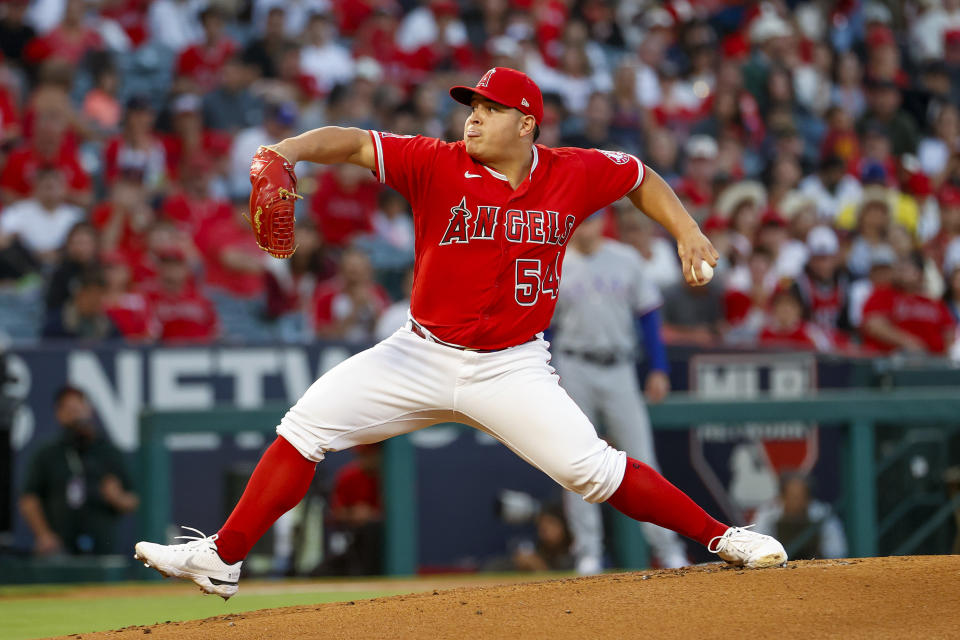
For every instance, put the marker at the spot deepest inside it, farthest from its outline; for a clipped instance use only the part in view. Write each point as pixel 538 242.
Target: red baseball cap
pixel 509 87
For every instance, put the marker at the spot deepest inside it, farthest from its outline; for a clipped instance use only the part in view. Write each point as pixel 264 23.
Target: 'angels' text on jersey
pixel 488 255
pixel 514 225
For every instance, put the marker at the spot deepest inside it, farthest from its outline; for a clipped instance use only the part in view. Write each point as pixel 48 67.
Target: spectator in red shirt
pixel 70 41
pixel 376 37
pixel 192 204
pixel 786 327
pixel 902 318
pixel 840 141
pixel 137 147
pixel 356 507
pixel 432 36
pixel 232 263
pixel 190 139
pixel 126 307
pixel 49 146
pixel 124 218
pixel 181 311
pixel 201 63
pixel 347 307
pixel 142 253
pixel 344 203
pixel 883 56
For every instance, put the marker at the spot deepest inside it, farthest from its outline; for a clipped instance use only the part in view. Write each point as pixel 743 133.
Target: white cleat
pixel 196 560
pixel 745 548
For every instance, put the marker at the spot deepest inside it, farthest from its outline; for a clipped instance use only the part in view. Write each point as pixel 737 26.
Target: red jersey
pixel 342 213
pixel 190 213
pixel 203 62
pixel 131 315
pixel 132 243
pixel 218 234
pixel 187 316
pixel 214 145
pixel 63 45
pixel 917 315
pixel 23 163
pixel 488 257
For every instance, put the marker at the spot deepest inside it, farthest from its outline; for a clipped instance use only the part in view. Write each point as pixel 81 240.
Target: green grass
pixel 37 612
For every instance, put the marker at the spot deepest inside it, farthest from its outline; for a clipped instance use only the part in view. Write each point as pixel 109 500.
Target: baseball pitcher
pixel 492 214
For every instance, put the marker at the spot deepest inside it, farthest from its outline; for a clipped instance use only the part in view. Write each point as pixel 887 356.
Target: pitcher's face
pixel 492 129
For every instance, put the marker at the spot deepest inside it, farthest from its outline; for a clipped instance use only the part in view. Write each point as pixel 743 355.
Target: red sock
pixel 647 496
pixel 278 483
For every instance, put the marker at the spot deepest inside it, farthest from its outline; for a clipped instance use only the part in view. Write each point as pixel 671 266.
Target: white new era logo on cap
pixel 524 102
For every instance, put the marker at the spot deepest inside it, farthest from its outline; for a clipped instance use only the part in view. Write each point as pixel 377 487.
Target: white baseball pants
pixel 407 383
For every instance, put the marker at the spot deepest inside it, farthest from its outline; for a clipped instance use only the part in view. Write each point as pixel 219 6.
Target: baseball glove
pixel 271 202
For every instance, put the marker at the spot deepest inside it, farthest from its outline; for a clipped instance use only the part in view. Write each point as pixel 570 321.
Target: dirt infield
pixel 916 597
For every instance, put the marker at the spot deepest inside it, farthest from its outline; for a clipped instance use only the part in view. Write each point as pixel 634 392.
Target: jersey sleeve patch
pixel 618 157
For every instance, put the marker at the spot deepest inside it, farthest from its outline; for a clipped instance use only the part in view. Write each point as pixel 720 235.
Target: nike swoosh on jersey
pixel 467 174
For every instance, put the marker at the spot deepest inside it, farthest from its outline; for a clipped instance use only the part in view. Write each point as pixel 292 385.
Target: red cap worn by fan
pixel 508 87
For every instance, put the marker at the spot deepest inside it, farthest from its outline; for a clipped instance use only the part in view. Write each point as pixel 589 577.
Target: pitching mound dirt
pixel 902 597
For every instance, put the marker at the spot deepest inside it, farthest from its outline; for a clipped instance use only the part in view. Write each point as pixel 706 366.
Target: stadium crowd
pixel 817 143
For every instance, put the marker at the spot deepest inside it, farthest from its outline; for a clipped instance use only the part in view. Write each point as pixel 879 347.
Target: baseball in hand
pixel 706 272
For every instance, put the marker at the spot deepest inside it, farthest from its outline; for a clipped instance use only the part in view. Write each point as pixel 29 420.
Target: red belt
pixel 418 330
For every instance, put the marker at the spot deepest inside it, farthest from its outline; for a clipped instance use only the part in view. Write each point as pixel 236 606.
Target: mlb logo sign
pixel 740 464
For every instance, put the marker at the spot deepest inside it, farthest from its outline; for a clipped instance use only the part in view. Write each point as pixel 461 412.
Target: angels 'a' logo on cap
pixel 524 102
pixel 485 80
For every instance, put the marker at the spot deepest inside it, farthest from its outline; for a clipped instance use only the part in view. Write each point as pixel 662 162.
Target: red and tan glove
pixel 271 202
